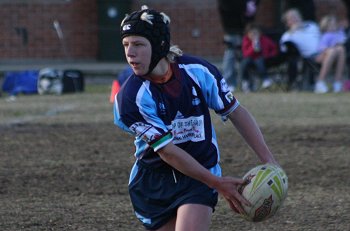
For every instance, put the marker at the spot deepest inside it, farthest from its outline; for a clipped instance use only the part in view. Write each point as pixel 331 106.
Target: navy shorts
pixel 156 194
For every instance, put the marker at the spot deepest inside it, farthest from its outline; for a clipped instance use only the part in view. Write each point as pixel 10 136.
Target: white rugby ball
pixel 266 189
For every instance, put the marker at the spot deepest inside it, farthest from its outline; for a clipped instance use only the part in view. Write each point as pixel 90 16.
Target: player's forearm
pixel 185 163
pixel 248 128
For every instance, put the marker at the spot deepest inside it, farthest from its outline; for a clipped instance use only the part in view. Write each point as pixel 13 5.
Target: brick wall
pixel 27 30
pixel 195 25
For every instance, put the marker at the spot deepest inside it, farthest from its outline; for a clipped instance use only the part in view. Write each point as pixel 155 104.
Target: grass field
pixel 65 166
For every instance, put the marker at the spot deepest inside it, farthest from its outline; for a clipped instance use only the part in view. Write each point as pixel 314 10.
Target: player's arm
pixel 250 131
pixel 185 163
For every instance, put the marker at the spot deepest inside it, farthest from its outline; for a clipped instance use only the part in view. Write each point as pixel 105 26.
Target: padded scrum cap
pixel 152 25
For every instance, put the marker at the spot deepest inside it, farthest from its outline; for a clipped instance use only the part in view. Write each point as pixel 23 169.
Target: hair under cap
pixel 152 25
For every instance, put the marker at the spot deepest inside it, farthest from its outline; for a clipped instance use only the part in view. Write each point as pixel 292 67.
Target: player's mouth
pixel 134 64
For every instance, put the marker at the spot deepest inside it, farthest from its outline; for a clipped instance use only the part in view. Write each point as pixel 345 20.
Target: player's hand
pixel 228 188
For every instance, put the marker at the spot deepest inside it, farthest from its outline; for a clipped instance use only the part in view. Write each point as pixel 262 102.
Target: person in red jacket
pixel 256 49
pixel 234 16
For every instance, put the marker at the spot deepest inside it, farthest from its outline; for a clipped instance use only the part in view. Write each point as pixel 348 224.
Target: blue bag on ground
pixel 16 82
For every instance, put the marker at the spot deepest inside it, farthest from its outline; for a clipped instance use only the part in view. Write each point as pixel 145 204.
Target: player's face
pixel 138 52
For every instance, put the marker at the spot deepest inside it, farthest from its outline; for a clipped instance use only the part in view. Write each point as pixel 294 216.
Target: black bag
pixel 73 81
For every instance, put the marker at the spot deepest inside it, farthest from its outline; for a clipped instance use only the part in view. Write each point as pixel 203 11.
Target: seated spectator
pixel 303 35
pixel 331 52
pixel 256 47
pixel 234 15
pixel 306 8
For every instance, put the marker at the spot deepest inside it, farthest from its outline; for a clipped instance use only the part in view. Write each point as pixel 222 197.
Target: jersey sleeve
pixel 214 87
pixel 137 114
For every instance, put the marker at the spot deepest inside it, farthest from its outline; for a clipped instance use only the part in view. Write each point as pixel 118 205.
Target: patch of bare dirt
pixel 74 177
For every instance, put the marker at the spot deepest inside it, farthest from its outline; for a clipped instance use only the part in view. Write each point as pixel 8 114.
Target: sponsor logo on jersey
pixel 144 131
pixel 188 129
pixel 179 115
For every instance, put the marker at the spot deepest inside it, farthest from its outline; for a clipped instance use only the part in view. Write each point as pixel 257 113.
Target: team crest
pixel 162 108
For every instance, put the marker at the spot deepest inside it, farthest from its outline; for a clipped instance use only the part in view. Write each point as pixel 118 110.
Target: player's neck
pixel 161 74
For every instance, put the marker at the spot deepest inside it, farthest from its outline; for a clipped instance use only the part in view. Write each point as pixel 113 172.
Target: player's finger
pixel 232 206
pixel 242 200
pixel 240 181
pixel 235 206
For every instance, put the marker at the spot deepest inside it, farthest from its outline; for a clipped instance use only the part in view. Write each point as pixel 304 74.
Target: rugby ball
pixel 266 188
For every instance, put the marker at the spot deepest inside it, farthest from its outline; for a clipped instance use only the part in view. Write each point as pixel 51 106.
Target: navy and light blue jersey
pixel 176 111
